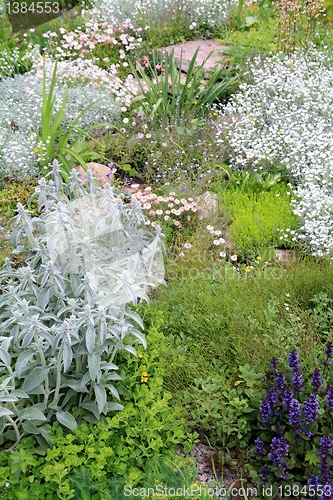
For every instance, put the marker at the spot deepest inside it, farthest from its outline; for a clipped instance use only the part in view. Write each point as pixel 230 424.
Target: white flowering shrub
pixel 212 12
pixel 21 99
pixel 15 61
pixel 284 117
pixel 66 314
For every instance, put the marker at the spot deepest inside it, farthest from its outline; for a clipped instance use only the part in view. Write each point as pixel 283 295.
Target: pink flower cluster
pixel 75 42
pixel 168 207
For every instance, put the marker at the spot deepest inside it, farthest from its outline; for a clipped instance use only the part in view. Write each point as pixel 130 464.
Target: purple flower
pixel 264 474
pixel 325 445
pixel 329 353
pixel 269 406
pixel 295 417
pixel 274 364
pixel 259 447
pixel 310 411
pixel 329 397
pixel 293 361
pixel 113 169
pixel 280 381
pixel 316 380
pixel 288 398
pixel 279 453
pixel 297 380
pixel 314 482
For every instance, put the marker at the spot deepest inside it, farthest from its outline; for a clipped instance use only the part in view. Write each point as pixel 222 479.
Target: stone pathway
pixel 205 48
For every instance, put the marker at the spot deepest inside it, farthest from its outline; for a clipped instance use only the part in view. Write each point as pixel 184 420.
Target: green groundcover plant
pixel 260 219
pixel 65 314
pixel 95 458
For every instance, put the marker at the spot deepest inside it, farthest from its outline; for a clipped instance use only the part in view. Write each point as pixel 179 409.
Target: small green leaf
pixel 30 427
pixel 5 411
pixel 32 413
pixel 35 378
pixel 67 420
pixel 311 457
pixel 94 365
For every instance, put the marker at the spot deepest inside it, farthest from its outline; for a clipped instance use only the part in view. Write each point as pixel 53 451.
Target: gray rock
pixel 101 172
pixel 208 203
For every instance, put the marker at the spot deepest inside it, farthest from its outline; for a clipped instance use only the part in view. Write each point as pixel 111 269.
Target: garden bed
pixel 166 314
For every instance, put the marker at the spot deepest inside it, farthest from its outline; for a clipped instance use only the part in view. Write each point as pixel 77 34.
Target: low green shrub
pixel 259 219
pixel 13 192
pixel 261 38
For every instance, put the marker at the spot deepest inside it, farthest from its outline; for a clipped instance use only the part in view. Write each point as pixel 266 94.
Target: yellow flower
pixel 193 120
pixel 259 258
pixel 139 355
pixel 36 150
pixel 291 63
pixel 214 114
pixel 248 269
pixel 251 118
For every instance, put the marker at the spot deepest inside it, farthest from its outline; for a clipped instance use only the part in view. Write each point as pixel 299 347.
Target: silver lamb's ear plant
pixel 66 314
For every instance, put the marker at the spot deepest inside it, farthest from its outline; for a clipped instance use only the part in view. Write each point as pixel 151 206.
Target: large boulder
pixel 102 173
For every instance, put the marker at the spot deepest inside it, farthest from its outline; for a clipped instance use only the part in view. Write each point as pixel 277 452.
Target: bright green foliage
pixel 165 29
pixel 194 95
pixel 13 193
pixel 261 38
pixel 258 217
pixel 150 426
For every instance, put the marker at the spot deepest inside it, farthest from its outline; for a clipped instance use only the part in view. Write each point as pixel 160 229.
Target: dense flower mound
pixel 13 61
pixel 212 12
pixel 21 100
pixel 284 117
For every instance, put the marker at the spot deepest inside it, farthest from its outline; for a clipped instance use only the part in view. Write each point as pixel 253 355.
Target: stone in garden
pixel 208 203
pixel 205 48
pixel 228 242
pixel 101 172
pixel 282 255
